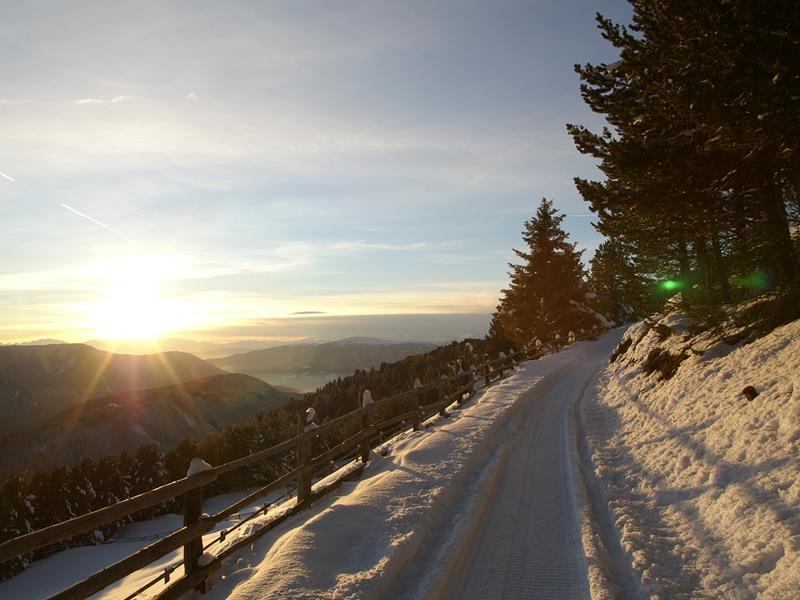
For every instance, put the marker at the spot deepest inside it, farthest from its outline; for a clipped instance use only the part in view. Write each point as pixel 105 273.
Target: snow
pixel 414 519
pixel 679 488
pixel 366 398
pixel 529 539
pixel 417 514
pixel 198 465
pixel 50 575
pixel 703 485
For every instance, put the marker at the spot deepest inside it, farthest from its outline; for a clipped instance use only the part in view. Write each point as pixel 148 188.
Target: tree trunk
pixel 720 267
pixel 683 257
pixel 778 234
pixel 704 267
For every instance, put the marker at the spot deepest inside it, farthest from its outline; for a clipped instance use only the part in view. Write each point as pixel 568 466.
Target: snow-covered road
pixel 530 543
pixel 480 505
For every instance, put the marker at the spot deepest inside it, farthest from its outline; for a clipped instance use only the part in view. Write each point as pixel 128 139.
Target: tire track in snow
pixel 530 545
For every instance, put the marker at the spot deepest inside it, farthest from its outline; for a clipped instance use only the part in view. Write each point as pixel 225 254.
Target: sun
pixel 133 304
pixel 131 314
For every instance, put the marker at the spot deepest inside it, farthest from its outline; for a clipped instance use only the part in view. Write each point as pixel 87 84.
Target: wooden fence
pixel 199 568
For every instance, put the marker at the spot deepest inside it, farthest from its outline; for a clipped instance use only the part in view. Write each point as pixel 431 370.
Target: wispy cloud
pixel 93 220
pixel 114 100
pixel 362 246
pixel 9 177
pixel 191 96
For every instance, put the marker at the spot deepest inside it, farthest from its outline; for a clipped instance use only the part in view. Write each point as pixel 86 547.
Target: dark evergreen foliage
pixel 547 294
pixel 620 291
pixel 701 154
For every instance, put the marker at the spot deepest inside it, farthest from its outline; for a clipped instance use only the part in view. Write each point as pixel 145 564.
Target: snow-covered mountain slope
pixel 703 485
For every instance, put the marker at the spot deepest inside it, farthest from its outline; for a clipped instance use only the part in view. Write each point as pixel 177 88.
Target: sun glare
pixel 134 305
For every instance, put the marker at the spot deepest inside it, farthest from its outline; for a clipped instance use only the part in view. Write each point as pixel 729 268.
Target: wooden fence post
pixel 439 394
pixel 303 457
pixel 463 383
pixel 416 419
pixel 364 445
pixel 192 509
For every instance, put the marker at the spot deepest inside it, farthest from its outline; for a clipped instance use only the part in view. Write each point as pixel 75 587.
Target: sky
pixel 207 168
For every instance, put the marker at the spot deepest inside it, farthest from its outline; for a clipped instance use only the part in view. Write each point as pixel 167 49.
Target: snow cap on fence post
pixel 198 465
pixel 417 383
pixel 571 337
pixel 311 414
pixel 366 398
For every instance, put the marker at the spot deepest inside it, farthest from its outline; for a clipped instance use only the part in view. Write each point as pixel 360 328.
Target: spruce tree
pixel 620 292
pixel 546 295
pixel 701 150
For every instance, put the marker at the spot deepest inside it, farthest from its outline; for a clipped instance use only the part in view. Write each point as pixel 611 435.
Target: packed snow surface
pixel 480 504
pixel 703 485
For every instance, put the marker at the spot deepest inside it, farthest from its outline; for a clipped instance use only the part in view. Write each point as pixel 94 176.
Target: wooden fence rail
pixel 190 488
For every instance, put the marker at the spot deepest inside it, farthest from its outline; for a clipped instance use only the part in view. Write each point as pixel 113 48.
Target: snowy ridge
pixel 702 484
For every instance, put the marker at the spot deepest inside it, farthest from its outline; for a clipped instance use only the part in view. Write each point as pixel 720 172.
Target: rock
pixel 750 393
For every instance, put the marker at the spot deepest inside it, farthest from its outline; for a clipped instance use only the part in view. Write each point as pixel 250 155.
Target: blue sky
pixel 223 163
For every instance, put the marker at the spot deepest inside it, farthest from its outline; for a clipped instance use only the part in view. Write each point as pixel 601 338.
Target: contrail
pixel 85 216
pixel 9 177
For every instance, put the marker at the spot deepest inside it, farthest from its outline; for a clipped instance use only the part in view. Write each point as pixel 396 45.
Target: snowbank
pixel 704 486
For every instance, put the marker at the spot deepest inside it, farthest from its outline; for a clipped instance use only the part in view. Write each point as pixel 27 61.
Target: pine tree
pixel 546 295
pixel 620 292
pixel 498 340
pixel 701 153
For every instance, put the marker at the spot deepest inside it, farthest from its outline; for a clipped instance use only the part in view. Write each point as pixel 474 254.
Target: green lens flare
pixel 757 280
pixel 671 285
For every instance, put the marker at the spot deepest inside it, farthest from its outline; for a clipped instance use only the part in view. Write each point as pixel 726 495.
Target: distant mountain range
pixel 39 381
pixel 202 349
pixel 62 402
pixel 128 420
pixel 313 364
